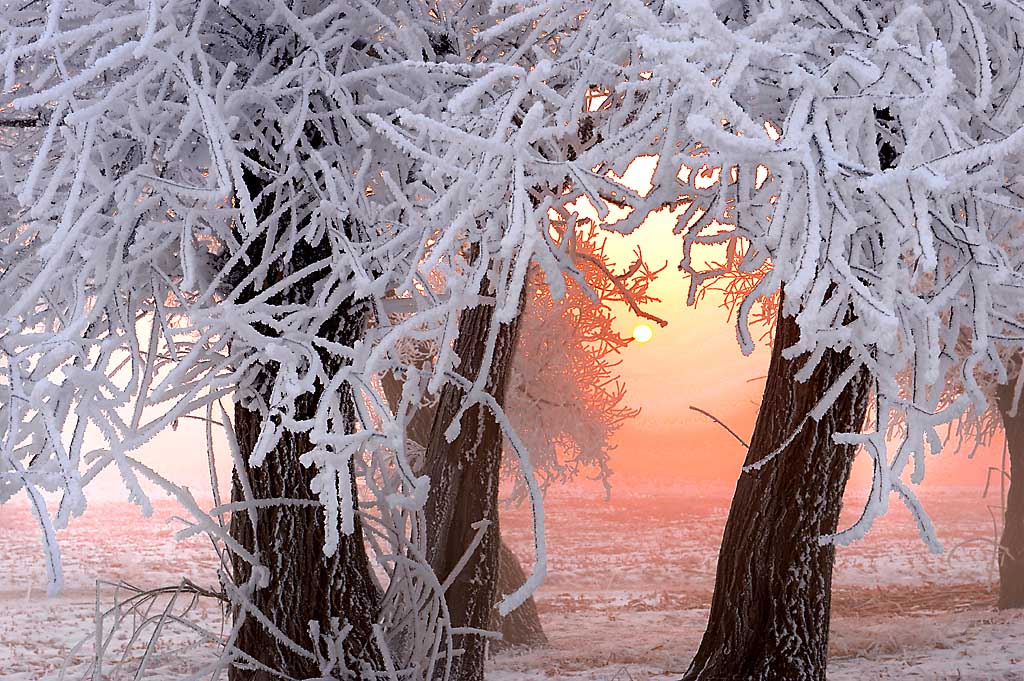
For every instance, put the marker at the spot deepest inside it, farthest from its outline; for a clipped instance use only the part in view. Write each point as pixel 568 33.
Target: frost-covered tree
pixel 465 472
pixel 890 214
pixel 222 201
pixel 566 398
pixel 227 200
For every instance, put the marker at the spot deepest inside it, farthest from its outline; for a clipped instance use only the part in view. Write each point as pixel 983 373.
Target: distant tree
pixel 981 425
pixel 565 398
pixel 1011 543
pixel 731 286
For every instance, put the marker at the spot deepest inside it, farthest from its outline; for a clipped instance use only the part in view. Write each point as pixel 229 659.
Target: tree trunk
pixel 521 627
pixel 302 585
pixel 1011 545
pixel 464 476
pixel 770 610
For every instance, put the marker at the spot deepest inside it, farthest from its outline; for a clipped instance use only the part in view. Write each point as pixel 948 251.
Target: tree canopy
pixel 173 172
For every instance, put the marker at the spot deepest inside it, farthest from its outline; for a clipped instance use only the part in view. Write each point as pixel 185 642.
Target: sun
pixel 642 333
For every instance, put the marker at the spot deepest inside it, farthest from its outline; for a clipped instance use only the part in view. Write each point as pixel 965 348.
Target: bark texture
pixel 304 585
pixel 464 476
pixel 1011 557
pixel 521 627
pixel 770 610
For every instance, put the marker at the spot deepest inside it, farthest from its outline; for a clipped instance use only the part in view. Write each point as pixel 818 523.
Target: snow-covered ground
pixel 631 580
pixel 629 584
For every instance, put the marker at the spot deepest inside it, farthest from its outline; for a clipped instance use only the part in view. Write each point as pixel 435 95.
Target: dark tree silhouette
pixel 521 627
pixel 980 426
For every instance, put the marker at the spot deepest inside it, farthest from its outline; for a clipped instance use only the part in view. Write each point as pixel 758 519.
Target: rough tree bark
pixel 1011 545
pixel 464 476
pixel 303 584
pixel 770 610
pixel 521 627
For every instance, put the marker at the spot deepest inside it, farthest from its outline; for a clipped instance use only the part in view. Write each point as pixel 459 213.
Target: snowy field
pixel 629 584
